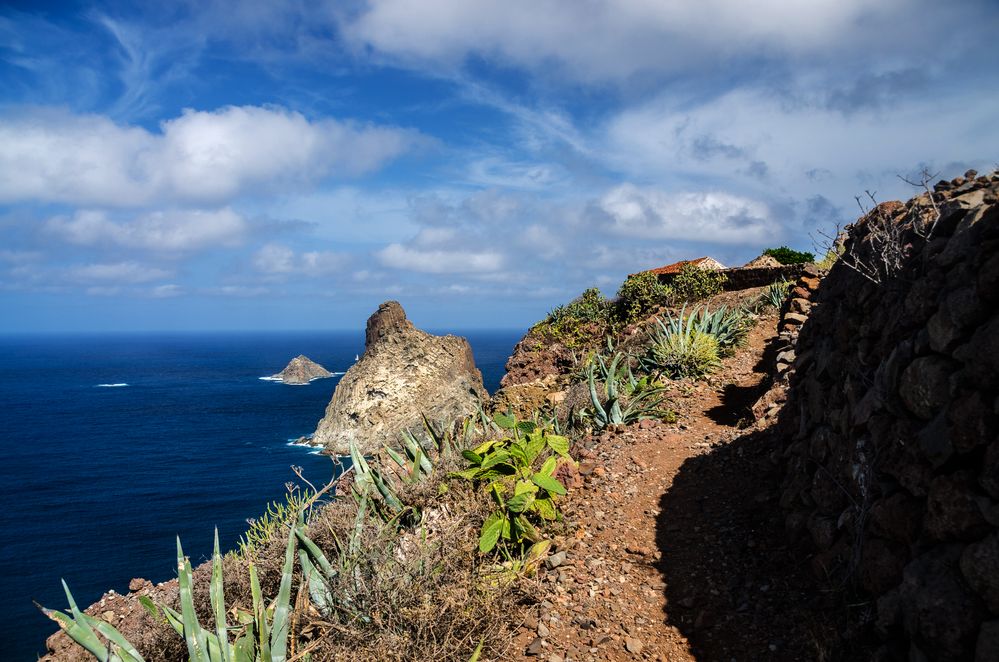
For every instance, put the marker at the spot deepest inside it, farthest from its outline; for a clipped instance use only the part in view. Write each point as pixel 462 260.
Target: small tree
pixel 640 295
pixel 785 255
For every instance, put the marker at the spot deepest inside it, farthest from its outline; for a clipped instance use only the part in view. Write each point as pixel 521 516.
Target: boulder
pixel 403 374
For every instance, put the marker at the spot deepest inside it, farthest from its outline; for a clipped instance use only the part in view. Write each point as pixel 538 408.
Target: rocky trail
pixel 679 552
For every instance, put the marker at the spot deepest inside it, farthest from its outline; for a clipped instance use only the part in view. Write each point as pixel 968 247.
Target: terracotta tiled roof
pixel 702 262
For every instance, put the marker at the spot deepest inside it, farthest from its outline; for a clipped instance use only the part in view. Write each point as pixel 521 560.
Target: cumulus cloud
pixel 708 217
pixel 200 157
pixel 171 230
pixel 280 260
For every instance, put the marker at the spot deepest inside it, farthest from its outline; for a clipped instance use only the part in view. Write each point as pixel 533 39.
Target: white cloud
pixel 708 217
pixel 166 291
pixel 280 260
pixel 614 39
pixel 199 157
pixel 720 139
pixel 439 261
pixel 170 230
pixel 117 272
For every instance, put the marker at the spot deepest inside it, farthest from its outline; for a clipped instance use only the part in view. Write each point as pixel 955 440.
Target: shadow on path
pixel 732 586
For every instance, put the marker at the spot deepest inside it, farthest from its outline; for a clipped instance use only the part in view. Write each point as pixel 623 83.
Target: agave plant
pixel 728 326
pixel 776 293
pixel 261 635
pixel 83 629
pixel 626 398
pixel 680 348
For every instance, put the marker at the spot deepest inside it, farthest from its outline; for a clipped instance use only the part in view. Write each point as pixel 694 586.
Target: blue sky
pixel 290 165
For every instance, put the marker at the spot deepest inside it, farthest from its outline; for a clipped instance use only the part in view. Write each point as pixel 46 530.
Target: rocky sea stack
pixel 301 370
pixel 403 374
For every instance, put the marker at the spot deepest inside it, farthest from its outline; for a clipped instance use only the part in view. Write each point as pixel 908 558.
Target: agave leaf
pixel 317 587
pixel 217 596
pixel 260 616
pixel 126 651
pixel 77 628
pixel 194 635
pixel 396 457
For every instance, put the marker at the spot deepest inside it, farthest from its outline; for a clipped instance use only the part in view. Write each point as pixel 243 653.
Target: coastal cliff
pixel 403 374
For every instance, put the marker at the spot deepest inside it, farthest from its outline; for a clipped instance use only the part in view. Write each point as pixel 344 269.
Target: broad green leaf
pixel 495 458
pixel 504 421
pixel 548 483
pixel 518 453
pixel 526 427
pixel 491 531
pixel 467 474
pixel 548 468
pixel 471 456
pixel 546 509
pixel 558 444
pixel 520 502
pixel 484 447
pixel 523 487
pixel 533 445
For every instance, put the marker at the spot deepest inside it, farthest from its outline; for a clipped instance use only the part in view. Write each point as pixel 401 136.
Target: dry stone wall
pixel 892 417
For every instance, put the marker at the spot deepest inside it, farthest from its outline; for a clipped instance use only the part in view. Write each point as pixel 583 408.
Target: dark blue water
pixel 96 482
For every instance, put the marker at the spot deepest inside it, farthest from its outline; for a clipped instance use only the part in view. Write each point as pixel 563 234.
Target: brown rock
pixel 898 517
pixel 939 613
pixel 301 370
pixel 987 646
pixel 952 513
pixel 403 374
pixel 925 385
pixel 980 567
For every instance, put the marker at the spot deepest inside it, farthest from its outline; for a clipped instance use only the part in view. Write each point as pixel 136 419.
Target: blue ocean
pixel 111 445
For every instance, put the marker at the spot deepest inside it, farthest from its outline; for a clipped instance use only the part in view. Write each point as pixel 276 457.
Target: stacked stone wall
pixel 891 468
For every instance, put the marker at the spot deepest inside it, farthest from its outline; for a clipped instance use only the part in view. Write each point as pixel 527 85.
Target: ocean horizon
pixel 113 444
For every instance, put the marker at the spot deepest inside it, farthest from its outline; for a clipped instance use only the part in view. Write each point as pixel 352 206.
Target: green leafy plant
pixel 785 255
pixel 278 516
pixel 640 295
pixel 520 490
pixel 693 283
pixel 577 323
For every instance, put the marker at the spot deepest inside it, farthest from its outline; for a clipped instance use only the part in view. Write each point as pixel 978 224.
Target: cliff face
pixel 403 374
pixel 302 370
pixel 891 472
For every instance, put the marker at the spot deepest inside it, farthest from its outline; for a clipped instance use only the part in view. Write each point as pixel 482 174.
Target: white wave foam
pixel 119 385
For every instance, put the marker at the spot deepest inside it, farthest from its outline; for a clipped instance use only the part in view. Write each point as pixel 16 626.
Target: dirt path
pixel 676 555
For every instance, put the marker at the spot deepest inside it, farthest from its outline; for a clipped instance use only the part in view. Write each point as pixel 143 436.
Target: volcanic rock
pixel 403 374
pixel 301 370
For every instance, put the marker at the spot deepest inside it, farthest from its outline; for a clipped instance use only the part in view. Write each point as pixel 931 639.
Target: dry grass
pixel 416 592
